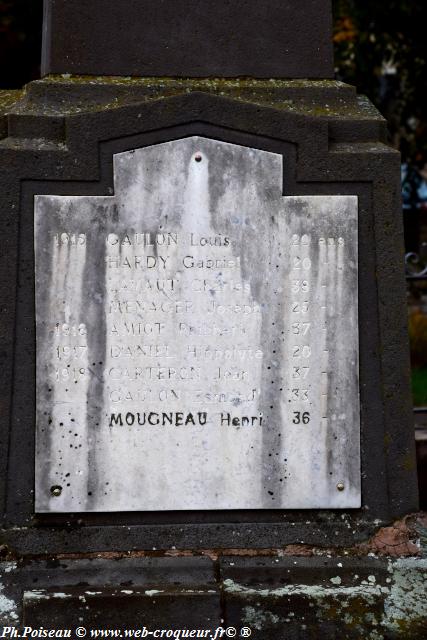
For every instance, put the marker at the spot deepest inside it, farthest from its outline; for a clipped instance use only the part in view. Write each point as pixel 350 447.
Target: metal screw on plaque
pixel 340 486
pixel 56 490
pixel 198 157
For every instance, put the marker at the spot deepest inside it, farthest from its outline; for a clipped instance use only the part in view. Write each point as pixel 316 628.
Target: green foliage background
pixel 381 47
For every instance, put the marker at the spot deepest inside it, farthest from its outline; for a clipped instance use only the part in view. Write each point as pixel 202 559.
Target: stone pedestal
pixel 279 175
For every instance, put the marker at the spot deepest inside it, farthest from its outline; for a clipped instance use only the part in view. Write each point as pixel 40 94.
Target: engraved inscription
pixel 197 342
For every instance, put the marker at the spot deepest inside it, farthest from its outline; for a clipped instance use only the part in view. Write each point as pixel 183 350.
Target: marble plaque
pixel 197 339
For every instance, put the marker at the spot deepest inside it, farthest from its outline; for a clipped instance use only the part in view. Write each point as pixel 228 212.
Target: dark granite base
pixel 275 597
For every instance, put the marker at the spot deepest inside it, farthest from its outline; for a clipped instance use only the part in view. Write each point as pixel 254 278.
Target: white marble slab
pixel 197 339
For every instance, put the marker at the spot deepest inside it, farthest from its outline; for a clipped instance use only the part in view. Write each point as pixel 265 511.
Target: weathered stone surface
pixel 334 598
pixel 297 598
pixel 97 590
pixel 400 539
pixel 125 608
pixel 197 338
pixel 185 38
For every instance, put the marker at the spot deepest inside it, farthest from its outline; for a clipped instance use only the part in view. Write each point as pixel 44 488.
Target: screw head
pixel 56 490
pixel 340 486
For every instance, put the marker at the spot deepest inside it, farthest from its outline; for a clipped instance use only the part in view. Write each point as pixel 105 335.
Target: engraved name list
pixel 196 338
